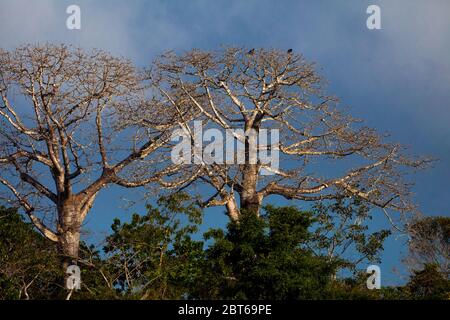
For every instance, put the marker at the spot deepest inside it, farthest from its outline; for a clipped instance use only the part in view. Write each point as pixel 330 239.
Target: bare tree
pixel 429 244
pixel 67 132
pixel 260 89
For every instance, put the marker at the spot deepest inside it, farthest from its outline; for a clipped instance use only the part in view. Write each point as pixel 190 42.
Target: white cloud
pixel 111 26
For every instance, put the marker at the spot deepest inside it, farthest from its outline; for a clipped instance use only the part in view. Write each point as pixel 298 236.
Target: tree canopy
pixel 159 255
pixel 73 122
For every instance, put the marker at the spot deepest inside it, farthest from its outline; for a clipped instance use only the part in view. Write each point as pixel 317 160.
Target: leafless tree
pixel 67 131
pixel 429 244
pixel 257 89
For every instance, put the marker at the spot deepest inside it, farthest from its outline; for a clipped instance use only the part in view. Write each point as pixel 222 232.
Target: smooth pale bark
pixel 250 200
pixel 247 90
pixel 77 104
pixel 232 209
pixel 69 230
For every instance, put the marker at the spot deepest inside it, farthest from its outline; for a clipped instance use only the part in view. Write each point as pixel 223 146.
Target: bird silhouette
pixel 289 51
pixel 252 51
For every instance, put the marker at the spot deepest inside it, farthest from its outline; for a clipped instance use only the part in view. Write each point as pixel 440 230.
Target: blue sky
pixel 396 78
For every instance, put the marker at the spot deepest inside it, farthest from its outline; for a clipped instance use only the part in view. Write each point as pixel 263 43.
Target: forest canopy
pixel 75 122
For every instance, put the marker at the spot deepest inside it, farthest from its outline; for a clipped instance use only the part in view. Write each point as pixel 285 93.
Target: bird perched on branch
pixel 289 51
pixel 252 51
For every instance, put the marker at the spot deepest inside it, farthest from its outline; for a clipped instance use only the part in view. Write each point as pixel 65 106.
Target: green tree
pixel 429 283
pixel 150 257
pixel 28 262
pixel 341 230
pixel 264 258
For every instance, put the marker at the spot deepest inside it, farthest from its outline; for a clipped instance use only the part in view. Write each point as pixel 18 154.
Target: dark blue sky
pixel 396 78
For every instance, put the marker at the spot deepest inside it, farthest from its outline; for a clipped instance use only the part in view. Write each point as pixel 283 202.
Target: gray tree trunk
pixel 69 232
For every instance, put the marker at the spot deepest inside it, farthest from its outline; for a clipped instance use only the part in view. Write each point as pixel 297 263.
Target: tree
pixel 66 133
pixel 341 230
pixel 264 257
pixel 29 264
pixel 27 260
pixel 249 91
pixel 429 283
pixel 153 256
pixel 429 244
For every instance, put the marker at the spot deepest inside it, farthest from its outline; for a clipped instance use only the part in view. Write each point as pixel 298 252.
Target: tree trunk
pixel 250 200
pixel 69 246
pixel 251 204
pixel 69 232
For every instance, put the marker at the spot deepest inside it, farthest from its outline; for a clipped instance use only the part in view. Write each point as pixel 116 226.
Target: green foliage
pixel 29 265
pixel 264 258
pixel 147 257
pixel 429 258
pixel 280 255
pixel 341 230
pixel 429 283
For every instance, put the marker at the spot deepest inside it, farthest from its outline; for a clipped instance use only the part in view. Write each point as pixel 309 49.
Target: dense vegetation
pixel 280 254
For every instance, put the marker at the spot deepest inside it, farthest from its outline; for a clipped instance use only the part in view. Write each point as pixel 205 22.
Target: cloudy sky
pixel 396 78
